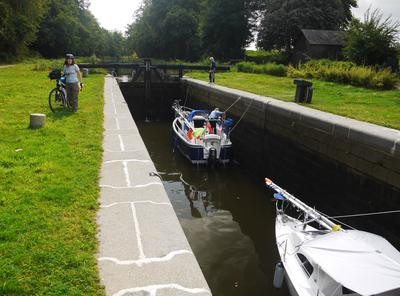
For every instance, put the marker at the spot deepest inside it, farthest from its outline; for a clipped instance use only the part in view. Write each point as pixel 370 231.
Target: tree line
pixel 52 28
pixel 189 29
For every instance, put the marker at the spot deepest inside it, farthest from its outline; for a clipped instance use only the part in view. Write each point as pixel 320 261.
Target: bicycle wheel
pixel 57 100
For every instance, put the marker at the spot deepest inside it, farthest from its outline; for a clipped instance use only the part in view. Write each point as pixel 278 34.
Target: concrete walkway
pixel 143 250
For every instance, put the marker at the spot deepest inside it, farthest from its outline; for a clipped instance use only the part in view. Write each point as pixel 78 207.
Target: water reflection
pixel 226 215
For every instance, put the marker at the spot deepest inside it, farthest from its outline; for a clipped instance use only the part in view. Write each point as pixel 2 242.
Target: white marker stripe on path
pixel 136 202
pixel 141 262
pixel 121 129
pixel 126 172
pixel 137 232
pixel 117 123
pixel 132 187
pixel 118 151
pixel 121 143
pixel 152 290
pixel 113 101
pixel 127 160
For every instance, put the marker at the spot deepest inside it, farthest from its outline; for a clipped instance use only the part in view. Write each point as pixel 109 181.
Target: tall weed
pixel 346 73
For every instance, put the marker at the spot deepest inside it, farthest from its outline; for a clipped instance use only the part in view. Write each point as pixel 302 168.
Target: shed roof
pixel 324 37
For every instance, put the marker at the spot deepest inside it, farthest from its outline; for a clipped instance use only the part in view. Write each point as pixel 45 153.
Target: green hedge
pixel 346 73
pixel 269 68
pixel 266 56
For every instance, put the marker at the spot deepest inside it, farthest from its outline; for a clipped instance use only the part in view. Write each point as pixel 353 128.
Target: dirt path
pixel 6 66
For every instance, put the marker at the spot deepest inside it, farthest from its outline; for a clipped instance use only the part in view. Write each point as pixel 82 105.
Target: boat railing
pixel 285 242
pixel 309 211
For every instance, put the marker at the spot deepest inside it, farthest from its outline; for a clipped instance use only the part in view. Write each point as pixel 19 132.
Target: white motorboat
pixel 321 258
pixel 201 136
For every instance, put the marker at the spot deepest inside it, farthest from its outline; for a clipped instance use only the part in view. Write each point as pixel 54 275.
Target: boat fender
pixel 279 275
pixel 190 134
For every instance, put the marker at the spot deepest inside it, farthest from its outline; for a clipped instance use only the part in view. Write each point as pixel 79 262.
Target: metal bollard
pixel 304 91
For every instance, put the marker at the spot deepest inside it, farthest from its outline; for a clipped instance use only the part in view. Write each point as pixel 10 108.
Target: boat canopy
pixel 363 262
pixel 195 113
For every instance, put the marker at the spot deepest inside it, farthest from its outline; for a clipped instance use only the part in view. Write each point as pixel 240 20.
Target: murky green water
pixel 228 218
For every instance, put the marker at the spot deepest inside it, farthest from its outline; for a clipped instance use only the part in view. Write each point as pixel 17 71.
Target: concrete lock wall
pixel 335 156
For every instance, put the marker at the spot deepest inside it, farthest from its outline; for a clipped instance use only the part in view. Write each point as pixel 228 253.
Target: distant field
pixel 379 107
pixel 48 187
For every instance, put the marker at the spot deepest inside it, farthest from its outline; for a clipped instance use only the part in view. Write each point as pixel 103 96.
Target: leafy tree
pixel 347 7
pixel 69 27
pixel 19 22
pixel 373 40
pixel 283 19
pixel 166 29
pixel 226 27
pixel 114 44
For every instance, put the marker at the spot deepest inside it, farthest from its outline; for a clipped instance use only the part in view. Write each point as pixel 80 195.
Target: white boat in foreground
pixel 322 259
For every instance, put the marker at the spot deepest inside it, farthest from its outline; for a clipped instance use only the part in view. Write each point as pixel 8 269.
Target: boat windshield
pixel 196 113
pixel 198 121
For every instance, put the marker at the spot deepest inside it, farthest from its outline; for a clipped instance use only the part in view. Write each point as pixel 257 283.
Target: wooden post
pixel 147 83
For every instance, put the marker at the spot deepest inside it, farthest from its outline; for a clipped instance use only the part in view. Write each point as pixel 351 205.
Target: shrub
pixel 266 56
pixel 373 40
pixel 269 68
pixel 346 73
pixel 43 64
pixel 246 67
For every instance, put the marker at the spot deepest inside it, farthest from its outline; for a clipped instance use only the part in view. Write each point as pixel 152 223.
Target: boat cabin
pixel 198 121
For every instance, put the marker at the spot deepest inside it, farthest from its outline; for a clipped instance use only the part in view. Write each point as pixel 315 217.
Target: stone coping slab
pixel 142 247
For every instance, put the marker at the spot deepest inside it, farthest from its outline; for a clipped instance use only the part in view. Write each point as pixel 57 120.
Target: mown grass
pixel 375 106
pixel 48 188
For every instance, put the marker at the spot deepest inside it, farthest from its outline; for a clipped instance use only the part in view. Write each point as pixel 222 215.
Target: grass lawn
pixel 379 107
pixel 48 188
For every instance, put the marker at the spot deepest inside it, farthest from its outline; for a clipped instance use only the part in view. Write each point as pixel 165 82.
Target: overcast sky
pixel 117 14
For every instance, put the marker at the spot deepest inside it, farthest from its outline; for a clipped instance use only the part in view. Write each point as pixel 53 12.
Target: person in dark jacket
pixel 213 66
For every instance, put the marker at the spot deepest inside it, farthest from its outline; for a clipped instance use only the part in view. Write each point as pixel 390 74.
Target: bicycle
pixel 58 100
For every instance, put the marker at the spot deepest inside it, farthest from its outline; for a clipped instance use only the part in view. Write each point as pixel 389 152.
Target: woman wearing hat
pixel 73 80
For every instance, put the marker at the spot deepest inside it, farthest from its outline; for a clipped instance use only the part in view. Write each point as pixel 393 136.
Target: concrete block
pixel 37 120
pixel 117 233
pixel 380 138
pixel 178 272
pixel 391 163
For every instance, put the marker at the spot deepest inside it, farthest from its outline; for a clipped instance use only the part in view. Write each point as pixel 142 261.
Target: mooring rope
pixel 233 104
pixel 187 95
pixel 367 214
pixel 338 221
pixel 244 113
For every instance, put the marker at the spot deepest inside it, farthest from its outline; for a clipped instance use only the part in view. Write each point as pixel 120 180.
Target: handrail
pixel 143 66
